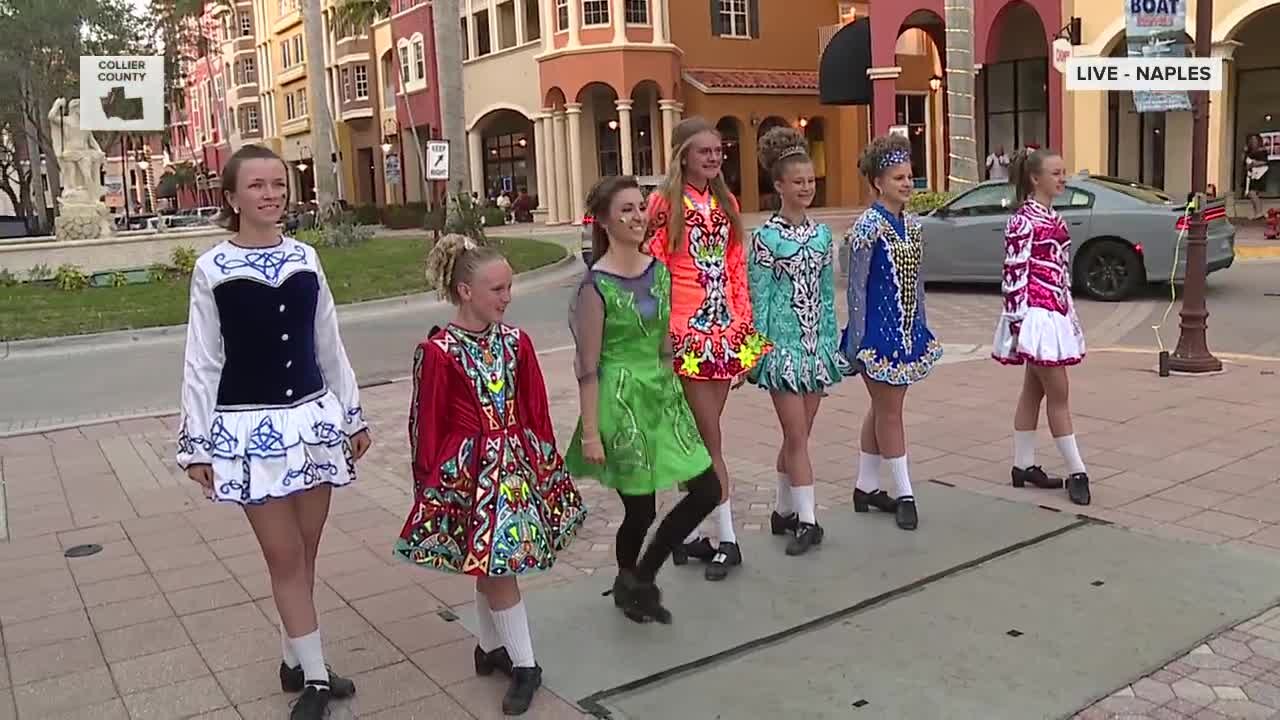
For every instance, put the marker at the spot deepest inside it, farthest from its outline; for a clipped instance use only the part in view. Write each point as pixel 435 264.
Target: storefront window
pixel 1016 97
pixel 607 142
pixel 911 112
pixel 1258 112
pixel 506 165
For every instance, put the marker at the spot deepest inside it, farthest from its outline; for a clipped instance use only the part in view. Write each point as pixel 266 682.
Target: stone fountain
pixel 83 214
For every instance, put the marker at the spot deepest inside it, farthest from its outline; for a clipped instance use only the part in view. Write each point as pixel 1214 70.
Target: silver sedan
pixel 1124 235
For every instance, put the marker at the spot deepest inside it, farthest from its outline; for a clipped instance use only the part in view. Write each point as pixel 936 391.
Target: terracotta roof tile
pixel 753 79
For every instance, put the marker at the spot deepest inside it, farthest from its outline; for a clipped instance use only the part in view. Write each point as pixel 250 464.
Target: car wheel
pixel 1109 270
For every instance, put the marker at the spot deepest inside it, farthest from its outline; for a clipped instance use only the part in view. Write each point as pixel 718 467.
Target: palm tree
pixel 960 81
pixel 453 115
pixel 359 13
pixel 324 156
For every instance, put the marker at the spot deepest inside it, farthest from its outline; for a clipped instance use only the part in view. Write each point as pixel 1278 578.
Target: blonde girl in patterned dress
pixel 793 298
pixel 695 229
pixel 491 496
pixel 887 339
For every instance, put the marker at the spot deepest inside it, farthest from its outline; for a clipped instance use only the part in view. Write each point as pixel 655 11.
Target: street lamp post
pixel 1192 354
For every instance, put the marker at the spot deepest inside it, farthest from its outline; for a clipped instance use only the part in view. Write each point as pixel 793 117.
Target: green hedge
pixel 926 202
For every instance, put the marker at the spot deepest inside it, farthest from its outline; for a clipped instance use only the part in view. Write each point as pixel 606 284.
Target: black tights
pixel 641 510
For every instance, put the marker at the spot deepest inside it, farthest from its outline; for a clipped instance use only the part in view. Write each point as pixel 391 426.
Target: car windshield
pixel 1137 191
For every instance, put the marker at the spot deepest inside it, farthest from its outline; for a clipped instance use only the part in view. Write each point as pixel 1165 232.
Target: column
pixel 624 134
pixel 473 45
pixel 475 144
pixel 668 125
pixel 655 137
pixel 577 201
pixel 546 25
pixel 1221 143
pixel 884 90
pixel 540 158
pixel 618 13
pixel 564 207
pixel 520 23
pixel 495 33
pixel 575 23
pixel 657 14
pixel 552 155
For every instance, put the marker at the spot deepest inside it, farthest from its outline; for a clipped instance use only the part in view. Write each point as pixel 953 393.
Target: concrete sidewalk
pixel 174 617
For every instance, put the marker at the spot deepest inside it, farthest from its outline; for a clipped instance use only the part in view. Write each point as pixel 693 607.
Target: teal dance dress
pixel 791 274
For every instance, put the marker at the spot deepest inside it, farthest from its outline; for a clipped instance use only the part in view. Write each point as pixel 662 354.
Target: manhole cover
pixel 83 550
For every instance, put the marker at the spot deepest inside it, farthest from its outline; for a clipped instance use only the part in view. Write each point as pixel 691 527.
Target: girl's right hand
pixel 593 450
pixel 202 474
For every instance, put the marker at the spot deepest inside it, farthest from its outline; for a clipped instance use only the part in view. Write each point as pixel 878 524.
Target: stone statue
pixel 83 215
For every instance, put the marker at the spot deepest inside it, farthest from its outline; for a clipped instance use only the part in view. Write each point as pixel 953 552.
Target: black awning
pixel 842 74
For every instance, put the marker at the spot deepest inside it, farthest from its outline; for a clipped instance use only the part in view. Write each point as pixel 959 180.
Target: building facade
pixel 1106 136
pixel 408 71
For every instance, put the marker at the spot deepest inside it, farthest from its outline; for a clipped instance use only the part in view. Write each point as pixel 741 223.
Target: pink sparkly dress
pixel 1038 323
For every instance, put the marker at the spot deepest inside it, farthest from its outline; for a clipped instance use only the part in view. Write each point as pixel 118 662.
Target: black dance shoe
pixel 807 535
pixel 312 704
pixel 525 681
pixel 863 501
pixel 727 556
pixel 293 680
pixel 783 524
pixel 497 659
pixel 700 549
pixel 646 604
pixel 906 515
pixel 1078 488
pixel 1034 475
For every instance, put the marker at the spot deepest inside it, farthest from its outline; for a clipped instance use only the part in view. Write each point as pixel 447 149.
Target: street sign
pixel 437 159
pixel 1062 52
pixel 392 169
pixel 508 184
pixel 124 93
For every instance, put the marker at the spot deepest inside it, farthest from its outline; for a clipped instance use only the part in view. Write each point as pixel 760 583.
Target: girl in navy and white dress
pixel 271 416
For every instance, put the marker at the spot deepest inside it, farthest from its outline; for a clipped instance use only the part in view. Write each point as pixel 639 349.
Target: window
pixel 362 82
pixel 1015 99
pixel 286 57
pixel 302 103
pixel 638 12
pixel 346 84
pixel 911 112
pixel 466 45
pixel 983 200
pixel 419 61
pixel 250 71
pixel 484 43
pixel 405 77
pixel 246 25
pixel 734 17
pixel 595 12
pixel 290 110
pixel 562 15
pixel 608 147
pixel 532 23
pixel 251 118
pixel 299 55
pixel 506 165
pixel 388 81
pixel 1073 199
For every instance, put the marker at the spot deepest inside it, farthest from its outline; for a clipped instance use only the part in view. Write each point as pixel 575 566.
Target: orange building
pixel 617 75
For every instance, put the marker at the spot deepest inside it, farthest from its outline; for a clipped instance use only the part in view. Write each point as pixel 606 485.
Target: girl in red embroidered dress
pixel 1038 325
pixel 696 231
pixel 491 497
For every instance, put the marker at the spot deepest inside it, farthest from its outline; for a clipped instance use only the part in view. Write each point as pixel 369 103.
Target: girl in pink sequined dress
pixel 1038 326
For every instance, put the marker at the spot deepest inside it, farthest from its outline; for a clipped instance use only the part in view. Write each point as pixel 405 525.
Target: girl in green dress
pixel 636 434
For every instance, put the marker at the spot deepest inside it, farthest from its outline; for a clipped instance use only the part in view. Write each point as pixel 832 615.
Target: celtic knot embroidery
pixel 267 263
pixel 265 440
pixel 221 442
pixel 327 433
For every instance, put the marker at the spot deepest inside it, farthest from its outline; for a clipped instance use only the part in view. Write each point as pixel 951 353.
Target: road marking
pixel 4 518
pixel 1257 252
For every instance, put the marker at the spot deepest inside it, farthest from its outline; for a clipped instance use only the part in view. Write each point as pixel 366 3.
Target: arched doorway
pixel 646 129
pixel 919 109
pixel 507 142
pixel 1149 148
pixel 601 138
pixel 730 129
pixel 1254 103
pixel 1013 87
pixel 768 196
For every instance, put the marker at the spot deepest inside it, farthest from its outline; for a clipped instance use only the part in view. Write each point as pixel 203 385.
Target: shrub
pixel 7 279
pixel 119 279
pixel 184 259
pixel 404 217
pixel 926 202
pixel 367 215
pixel 70 278
pixel 465 217
pixel 158 273
pixel 310 236
pixel 493 217
pixel 342 231
pixel 38 273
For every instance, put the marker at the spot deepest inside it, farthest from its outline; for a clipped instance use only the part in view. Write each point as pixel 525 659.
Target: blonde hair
pixel 780 148
pixel 453 261
pixel 672 188
pixel 1026 164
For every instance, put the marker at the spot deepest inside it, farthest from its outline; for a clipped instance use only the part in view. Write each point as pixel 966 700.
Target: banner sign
pixel 124 93
pixel 1156 29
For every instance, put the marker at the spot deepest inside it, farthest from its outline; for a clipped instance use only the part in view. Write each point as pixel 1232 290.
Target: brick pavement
pixel 174 619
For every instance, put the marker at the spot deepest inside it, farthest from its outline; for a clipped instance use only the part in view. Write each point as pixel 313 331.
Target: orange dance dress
pixel 713 336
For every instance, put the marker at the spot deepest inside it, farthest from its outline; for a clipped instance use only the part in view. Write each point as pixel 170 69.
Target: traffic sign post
pixel 438 160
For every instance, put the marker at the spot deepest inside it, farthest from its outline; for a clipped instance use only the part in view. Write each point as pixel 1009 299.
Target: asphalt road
pixel 48 387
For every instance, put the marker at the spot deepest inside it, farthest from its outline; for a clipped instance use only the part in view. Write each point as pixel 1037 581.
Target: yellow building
pixel 1104 135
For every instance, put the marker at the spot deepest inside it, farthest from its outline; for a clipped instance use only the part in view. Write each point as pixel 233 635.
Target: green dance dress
pixel 650 439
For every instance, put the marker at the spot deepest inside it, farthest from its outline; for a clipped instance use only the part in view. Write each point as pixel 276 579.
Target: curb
pixel 36 347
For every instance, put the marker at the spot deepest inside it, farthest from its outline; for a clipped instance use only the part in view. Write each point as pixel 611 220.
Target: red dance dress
pixel 713 336
pixel 491 497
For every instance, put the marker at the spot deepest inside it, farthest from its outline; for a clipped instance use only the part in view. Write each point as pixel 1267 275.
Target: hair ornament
pixel 792 151
pixel 896 156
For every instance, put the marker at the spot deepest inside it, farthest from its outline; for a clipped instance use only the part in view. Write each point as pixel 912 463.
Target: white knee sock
pixel 868 472
pixel 901 478
pixel 782 503
pixel 286 649
pixel 1024 448
pixel 488 632
pixel 1070 453
pixel 513 628
pixel 802 497
pixel 311 655
pixel 724 523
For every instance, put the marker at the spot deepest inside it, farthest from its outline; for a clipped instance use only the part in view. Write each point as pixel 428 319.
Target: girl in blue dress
pixel 887 339
pixel 792 283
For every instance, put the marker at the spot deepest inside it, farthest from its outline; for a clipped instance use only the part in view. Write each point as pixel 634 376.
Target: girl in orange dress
pixel 696 231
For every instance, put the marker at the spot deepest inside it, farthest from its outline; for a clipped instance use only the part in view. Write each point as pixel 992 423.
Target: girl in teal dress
pixel 636 434
pixel 789 265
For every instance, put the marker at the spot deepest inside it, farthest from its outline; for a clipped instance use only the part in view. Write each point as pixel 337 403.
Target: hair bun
pixel 780 142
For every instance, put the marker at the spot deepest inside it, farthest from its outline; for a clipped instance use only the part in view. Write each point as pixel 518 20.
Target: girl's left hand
pixel 738 381
pixel 360 443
